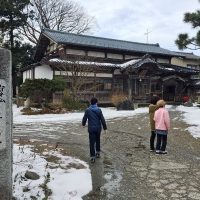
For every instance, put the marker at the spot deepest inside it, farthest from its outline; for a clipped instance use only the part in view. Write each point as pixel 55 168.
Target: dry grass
pixel 50 110
pixel 118 98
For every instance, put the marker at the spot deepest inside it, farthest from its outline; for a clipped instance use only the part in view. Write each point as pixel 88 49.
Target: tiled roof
pixel 134 64
pixel 188 55
pixel 196 84
pixel 179 68
pixel 99 42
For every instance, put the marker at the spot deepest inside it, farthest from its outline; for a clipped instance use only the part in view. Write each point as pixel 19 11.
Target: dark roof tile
pixel 99 42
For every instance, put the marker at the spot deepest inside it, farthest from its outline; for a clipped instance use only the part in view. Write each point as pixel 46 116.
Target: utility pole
pixel 147 34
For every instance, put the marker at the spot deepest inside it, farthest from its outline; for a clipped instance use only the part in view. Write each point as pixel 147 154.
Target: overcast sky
pixel 130 19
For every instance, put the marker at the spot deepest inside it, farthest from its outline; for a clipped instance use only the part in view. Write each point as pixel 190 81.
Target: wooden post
pixel 135 86
pixel 162 90
pixel 95 85
pixel 5 125
pixel 175 89
pixel 129 88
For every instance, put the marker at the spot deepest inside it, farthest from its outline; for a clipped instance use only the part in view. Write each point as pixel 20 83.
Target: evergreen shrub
pixel 71 104
pixel 40 89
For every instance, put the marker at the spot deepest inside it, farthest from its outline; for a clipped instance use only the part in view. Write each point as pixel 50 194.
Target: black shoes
pixel 97 155
pixel 158 152
pixel 92 160
pixel 161 152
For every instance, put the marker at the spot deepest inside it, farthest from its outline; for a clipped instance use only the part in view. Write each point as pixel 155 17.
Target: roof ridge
pixel 62 32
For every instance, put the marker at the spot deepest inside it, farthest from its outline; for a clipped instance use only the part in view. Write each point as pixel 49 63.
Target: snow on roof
pixel 82 62
pixel 197 83
pixel 123 65
pixel 128 63
pixel 170 69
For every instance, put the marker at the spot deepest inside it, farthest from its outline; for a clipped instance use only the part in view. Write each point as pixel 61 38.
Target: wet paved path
pixel 127 170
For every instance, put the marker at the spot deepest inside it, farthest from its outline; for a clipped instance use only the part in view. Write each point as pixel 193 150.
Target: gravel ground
pixel 126 169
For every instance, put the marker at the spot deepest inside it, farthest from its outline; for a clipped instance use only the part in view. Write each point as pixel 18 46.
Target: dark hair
pixel 154 99
pixel 93 100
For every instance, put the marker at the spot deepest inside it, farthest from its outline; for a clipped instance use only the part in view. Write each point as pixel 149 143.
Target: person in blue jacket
pixel 96 120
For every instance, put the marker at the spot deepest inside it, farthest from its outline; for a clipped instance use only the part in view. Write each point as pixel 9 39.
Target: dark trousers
pixel 152 139
pixel 161 142
pixel 94 138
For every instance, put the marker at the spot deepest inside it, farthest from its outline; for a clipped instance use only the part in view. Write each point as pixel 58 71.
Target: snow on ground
pixel 108 113
pixel 64 178
pixel 191 115
pixel 65 181
pixel 65 184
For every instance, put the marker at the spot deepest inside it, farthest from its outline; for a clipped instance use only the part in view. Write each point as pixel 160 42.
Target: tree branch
pixel 58 15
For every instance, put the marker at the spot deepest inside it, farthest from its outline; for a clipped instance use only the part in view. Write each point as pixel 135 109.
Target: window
pixel 155 87
pixel 52 47
pixel 195 77
pixel 102 85
pixel 193 66
pixel 118 84
pixel 146 88
pixel 107 86
pixel 158 86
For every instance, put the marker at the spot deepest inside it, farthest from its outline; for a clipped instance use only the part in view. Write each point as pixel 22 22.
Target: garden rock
pixel 125 105
pixel 188 104
pixel 32 175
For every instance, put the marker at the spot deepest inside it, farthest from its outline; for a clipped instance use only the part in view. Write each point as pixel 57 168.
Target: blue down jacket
pixel 95 119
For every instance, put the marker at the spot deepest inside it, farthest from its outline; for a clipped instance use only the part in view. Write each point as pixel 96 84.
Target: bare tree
pixel 79 73
pixel 57 15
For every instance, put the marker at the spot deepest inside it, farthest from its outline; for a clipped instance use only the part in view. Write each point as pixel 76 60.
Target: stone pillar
pixel 5 125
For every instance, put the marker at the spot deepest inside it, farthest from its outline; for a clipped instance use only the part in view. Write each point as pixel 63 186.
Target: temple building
pixel 110 67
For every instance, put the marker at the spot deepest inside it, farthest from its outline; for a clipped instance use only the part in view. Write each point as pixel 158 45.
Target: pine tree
pixel 12 17
pixel 184 41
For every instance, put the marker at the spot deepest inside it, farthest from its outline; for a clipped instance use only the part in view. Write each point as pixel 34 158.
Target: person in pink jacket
pixel 162 125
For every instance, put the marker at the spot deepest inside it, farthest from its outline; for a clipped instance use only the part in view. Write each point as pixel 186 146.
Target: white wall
pixel 88 74
pixel 115 56
pixel 184 62
pixel 104 75
pixel 75 52
pixel 28 74
pixel 96 54
pixel 161 60
pixel 127 57
pixel 43 71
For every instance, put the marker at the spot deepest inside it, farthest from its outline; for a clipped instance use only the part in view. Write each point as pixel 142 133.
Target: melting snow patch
pixel 61 174
pixel 112 183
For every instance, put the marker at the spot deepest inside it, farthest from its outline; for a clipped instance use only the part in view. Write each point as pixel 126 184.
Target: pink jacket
pixel 161 118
